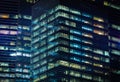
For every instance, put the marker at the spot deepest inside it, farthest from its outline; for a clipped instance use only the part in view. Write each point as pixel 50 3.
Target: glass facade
pixel 68 41
pixel 67 46
pixel 14 43
pixel 114 44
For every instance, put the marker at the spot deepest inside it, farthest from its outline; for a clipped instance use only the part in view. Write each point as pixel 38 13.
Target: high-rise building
pixel 70 42
pixel 14 41
pixel 113 10
pixel 114 42
pixel 8 39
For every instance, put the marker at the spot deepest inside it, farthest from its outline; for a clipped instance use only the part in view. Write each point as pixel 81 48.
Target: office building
pixel 70 42
pixel 114 42
pixel 14 41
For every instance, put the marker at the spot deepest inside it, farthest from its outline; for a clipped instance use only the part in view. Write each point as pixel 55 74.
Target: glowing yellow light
pixel 98 19
pixel 99 32
pixel 4 16
pixel 106 3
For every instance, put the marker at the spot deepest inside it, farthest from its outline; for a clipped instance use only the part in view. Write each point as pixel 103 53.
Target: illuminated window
pixel 115 45
pixel 5 69
pixel 106 53
pixel 84 68
pixel 4 64
pixel 64 63
pixel 87 35
pixel 86 15
pixel 77 66
pixel 106 3
pixel 6 80
pixel 75 18
pixel 42 56
pixel 4 26
pixel 98 78
pixel 4 32
pixel 67 9
pixel 13 27
pixel 115 6
pixel 35 21
pixel 117 52
pixel 116 27
pixel 63 7
pixel 70 23
pixel 115 39
pixel 52 44
pixel 87 48
pixel 75 38
pixel 75 59
pixel 25 70
pixel 26 38
pixel 13 32
pixel 64 42
pixel 43 62
pixel 51 65
pixel 98 19
pixel 42 69
pixel 26 28
pixel 99 32
pixel 62 14
pixel 43 23
pixel 43 16
pixel 75 12
pixel 97 65
pixel 87 62
pixel 64 49
pixel 77 52
pixel 43 76
pixel 98 25
pixel 31 1
pixel 75 73
pixel 51 18
pixel 87 55
pixel 75 45
pixel 87 28
pixel 75 32
pixel 86 22
pixel 27 17
pixel 35 59
pixel 87 76
pixel 63 35
pixel 2 48
pixel 15 16
pixel 86 41
pixel 43 36
pixel 105 59
pixel 5 16
pixel 51 38
pixel 12 43
pixel 98 71
pixel 96 58
pixel 98 51
pixel 49 32
pixel 63 28
pixel 18 69
pixel 26 54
